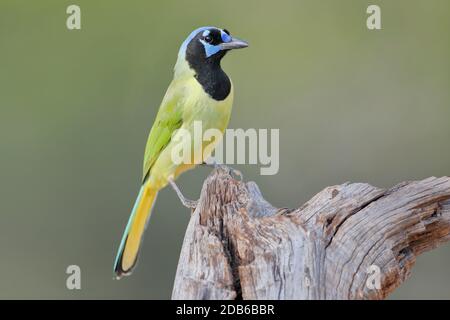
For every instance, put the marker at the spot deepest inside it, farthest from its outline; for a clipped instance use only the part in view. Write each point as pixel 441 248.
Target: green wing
pixel 168 119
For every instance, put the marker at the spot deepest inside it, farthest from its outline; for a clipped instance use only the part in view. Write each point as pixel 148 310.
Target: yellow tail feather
pixel 134 231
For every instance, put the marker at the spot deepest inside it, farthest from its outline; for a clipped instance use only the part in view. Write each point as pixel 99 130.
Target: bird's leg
pixel 191 204
pixel 212 163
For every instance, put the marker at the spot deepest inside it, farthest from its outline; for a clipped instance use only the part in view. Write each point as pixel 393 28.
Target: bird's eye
pixel 208 39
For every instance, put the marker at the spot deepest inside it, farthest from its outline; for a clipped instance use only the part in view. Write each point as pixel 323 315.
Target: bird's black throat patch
pixel 208 71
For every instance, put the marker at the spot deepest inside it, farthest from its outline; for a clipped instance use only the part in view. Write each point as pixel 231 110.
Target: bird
pixel 199 91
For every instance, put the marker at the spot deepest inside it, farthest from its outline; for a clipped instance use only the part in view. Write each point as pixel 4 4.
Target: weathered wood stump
pixel 238 246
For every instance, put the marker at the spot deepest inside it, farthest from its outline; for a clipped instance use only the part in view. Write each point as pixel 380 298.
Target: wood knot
pixel 334 193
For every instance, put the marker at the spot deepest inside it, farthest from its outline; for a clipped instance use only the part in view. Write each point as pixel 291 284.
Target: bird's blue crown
pixel 210 49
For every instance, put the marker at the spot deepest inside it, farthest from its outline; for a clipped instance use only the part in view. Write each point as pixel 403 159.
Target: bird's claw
pixel 191 204
pixel 231 171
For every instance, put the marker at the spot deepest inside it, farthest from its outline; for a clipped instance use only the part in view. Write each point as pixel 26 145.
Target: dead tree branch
pixel 237 245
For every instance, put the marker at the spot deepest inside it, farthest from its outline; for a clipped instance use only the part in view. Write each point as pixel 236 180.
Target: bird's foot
pixel 231 171
pixel 191 204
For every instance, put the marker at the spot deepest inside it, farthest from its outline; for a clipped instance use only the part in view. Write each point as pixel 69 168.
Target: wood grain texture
pixel 238 246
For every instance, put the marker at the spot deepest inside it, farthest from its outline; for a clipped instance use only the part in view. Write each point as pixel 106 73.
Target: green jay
pixel 200 91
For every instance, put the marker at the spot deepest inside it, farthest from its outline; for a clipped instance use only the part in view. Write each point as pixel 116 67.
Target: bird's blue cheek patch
pixel 225 37
pixel 210 49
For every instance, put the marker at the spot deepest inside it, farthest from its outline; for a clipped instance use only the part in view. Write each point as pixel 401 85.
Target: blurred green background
pixel 76 107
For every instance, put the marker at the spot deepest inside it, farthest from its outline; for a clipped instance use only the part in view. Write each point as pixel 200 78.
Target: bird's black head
pixel 209 45
pixel 203 50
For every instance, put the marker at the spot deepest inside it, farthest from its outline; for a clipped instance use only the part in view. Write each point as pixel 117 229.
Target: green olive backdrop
pixel 76 106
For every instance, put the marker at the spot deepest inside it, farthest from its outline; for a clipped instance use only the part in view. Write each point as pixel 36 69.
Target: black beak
pixel 235 43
